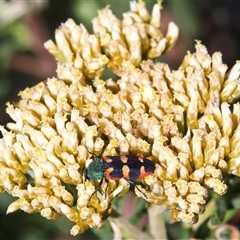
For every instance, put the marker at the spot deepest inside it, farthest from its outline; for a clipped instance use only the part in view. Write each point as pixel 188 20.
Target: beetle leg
pixel 135 185
pixel 105 192
pixel 141 191
pixel 98 187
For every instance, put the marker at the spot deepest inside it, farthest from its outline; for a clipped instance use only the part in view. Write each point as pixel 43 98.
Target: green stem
pixel 127 228
pixel 156 223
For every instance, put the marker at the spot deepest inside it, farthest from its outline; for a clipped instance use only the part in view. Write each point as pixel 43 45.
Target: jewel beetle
pixel 129 167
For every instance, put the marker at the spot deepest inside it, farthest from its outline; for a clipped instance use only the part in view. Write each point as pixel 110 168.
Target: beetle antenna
pixel 91 152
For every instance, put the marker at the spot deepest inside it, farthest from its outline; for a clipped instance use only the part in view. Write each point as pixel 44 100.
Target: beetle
pixel 129 167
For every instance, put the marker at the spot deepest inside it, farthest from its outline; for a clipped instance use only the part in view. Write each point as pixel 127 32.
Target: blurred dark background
pixel 26 25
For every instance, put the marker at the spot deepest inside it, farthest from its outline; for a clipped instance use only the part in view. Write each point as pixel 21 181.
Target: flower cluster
pixel 135 38
pixel 186 121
